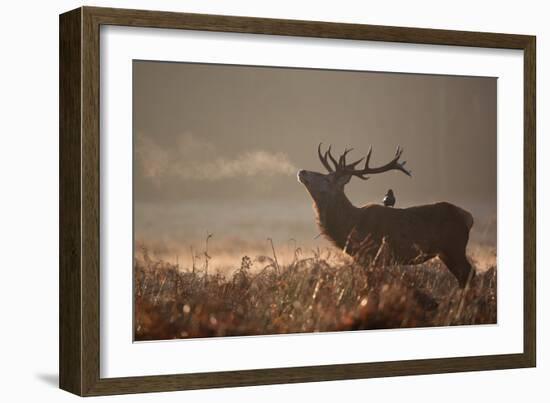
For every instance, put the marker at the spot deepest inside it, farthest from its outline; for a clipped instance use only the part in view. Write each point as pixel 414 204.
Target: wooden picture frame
pixel 79 201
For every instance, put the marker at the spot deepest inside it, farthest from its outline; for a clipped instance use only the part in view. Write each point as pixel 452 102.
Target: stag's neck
pixel 336 217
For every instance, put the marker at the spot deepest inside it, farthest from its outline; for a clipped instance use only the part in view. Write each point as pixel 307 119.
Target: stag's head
pixel 323 187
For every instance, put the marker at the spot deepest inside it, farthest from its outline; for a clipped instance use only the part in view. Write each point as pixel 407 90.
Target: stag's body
pixel 375 234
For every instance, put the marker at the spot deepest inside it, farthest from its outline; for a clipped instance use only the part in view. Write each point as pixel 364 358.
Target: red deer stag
pixel 369 234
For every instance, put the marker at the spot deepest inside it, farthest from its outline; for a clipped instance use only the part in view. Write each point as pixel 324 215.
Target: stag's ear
pixel 342 180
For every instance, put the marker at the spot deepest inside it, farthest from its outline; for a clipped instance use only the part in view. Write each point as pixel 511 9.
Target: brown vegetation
pixel 322 292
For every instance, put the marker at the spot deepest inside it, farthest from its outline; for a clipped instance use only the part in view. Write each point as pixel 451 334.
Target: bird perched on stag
pixel 389 199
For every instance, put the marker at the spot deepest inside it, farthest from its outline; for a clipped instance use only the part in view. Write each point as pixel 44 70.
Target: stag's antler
pixel 342 167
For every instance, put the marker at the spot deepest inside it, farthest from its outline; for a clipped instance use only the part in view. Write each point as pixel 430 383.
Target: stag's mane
pixel 336 222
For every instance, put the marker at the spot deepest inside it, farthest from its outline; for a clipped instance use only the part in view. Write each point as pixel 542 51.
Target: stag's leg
pixel 459 266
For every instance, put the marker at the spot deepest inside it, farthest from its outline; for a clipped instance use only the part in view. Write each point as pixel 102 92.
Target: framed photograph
pixel 249 201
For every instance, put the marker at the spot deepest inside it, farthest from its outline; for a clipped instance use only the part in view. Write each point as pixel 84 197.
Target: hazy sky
pixel 217 147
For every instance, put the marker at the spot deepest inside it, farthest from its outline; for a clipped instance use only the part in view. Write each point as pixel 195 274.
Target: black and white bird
pixel 389 199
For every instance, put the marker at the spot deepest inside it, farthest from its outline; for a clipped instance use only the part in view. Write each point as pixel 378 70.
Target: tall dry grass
pixel 316 293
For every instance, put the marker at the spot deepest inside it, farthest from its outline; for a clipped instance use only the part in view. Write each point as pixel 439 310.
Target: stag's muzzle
pixel 301 175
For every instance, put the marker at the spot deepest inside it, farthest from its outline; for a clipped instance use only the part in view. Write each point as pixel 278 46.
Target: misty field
pixel 318 291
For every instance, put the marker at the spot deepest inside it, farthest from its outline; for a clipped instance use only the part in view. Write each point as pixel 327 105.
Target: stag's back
pixel 430 230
